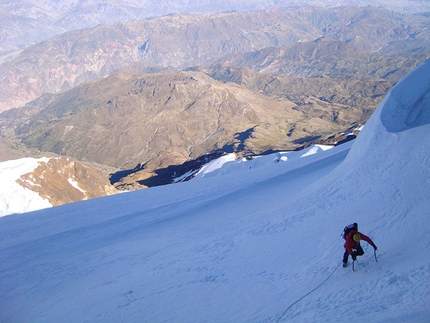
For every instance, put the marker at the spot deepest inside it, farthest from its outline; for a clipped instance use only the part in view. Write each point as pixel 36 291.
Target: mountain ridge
pixel 324 57
pixel 151 97
pixel 31 22
pixel 181 40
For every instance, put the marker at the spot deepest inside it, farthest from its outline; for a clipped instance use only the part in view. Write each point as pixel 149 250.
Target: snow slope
pixel 13 197
pixel 254 241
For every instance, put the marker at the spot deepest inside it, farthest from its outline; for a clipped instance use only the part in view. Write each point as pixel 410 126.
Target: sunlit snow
pixel 13 197
pixel 76 185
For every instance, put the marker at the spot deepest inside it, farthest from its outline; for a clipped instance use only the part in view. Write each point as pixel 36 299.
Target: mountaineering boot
pixel 344 264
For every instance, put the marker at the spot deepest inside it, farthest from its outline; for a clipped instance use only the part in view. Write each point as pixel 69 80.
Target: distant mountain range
pixel 147 97
pixel 25 23
pixel 182 41
pixel 324 57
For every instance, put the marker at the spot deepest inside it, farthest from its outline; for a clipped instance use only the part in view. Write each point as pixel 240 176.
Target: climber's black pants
pixel 357 251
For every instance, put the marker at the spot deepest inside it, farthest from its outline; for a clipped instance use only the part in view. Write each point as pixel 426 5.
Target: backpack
pixel 348 228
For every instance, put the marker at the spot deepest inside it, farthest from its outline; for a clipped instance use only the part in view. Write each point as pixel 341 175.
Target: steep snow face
pixel 392 152
pixel 407 105
pixel 404 108
pixel 387 191
pixel 255 244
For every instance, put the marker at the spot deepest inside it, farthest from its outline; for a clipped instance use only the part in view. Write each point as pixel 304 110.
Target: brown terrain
pixel 184 40
pixel 77 182
pixel 25 23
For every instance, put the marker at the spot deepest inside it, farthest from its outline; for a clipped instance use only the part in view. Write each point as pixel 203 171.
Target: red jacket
pixel 350 243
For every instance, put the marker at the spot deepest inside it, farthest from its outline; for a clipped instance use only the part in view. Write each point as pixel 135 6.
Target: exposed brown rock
pixel 62 180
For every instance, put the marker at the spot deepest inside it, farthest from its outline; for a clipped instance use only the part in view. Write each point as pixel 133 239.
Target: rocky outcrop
pixel 62 180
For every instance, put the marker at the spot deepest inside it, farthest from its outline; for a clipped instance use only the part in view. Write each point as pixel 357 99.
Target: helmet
pixel 353 226
pixel 356 237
